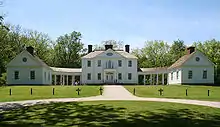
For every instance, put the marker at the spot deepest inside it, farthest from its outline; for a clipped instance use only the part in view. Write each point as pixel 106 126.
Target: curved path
pixel 112 92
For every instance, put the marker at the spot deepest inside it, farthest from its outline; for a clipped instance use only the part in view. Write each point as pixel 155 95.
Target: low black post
pixel 161 91
pixel 31 91
pixel 208 92
pixel 53 91
pixel 100 89
pixel 186 92
pixel 78 90
pixel 10 92
pixel 134 91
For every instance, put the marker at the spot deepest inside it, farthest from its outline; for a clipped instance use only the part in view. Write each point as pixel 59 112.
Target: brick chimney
pixel 127 48
pixel 30 49
pixel 190 50
pixel 108 47
pixel 89 48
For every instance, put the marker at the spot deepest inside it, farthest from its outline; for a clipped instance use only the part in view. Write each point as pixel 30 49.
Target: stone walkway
pixel 111 92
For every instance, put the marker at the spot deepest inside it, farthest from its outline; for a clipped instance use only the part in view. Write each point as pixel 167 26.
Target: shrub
pixel 3 79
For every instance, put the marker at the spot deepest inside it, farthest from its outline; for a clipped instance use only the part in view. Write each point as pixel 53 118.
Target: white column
pixel 144 79
pixel 163 78
pixel 67 80
pixel 157 78
pixel 63 79
pixel 55 79
pixel 150 79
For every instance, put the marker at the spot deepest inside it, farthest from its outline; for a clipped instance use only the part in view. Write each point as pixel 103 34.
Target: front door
pixel 109 78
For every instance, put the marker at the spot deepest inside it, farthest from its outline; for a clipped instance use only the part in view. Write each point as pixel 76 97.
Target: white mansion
pixel 110 67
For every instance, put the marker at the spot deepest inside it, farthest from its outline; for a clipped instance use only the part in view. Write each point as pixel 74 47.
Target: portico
pixel 110 76
pixel 65 76
pixel 154 76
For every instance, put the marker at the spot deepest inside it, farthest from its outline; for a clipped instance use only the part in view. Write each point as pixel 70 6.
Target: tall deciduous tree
pixel 68 50
pixel 177 50
pixel 117 45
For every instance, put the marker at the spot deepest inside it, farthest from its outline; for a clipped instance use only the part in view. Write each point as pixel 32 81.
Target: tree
pixel 177 50
pixel 117 45
pixel 153 54
pixel 68 50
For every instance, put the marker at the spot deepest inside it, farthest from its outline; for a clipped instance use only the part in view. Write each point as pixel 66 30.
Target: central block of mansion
pixel 110 66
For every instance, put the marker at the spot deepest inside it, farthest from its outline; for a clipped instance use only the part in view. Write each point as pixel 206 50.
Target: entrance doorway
pixel 109 78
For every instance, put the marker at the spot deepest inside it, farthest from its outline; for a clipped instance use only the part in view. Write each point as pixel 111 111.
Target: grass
pixel 112 114
pixel 45 92
pixel 178 91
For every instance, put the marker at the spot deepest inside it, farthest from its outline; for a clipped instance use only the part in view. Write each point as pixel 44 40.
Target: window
pixel 99 76
pixel 177 75
pixel 88 63
pixel 129 76
pixel 204 74
pixel 45 76
pixel 89 76
pixel 32 75
pixel 119 63
pixel 99 63
pixel 16 74
pixel 48 76
pixel 190 74
pixel 119 76
pixel 171 75
pixel 24 59
pixel 129 63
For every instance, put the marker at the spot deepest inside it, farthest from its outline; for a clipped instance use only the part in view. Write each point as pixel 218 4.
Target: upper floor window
pixel 89 76
pixel 88 63
pixel 177 75
pixel 119 76
pixel 204 74
pixel 190 74
pixel 16 74
pixel 171 75
pixel 99 76
pixel 129 76
pixel 129 63
pixel 32 75
pixel 99 63
pixel 109 64
pixel 119 63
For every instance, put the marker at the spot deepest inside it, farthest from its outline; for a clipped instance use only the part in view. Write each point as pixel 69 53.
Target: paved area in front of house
pixel 111 92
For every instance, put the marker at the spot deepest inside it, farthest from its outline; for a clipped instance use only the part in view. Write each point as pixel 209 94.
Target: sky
pixel 130 21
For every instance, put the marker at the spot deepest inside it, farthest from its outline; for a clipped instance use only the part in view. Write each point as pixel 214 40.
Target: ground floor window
pixel 129 76
pixel 190 74
pixel 32 75
pixel 177 75
pixel 119 76
pixel 171 75
pixel 89 76
pixel 204 74
pixel 16 74
pixel 99 76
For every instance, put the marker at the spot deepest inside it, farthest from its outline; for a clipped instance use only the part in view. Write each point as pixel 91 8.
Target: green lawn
pixel 178 91
pixel 45 92
pixel 112 114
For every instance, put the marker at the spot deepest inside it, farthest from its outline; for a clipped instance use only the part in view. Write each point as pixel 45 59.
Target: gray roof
pixel 123 53
pixel 153 69
pixel 71 70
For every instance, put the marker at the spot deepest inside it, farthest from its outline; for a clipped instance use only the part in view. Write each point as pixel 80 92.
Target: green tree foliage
pixel 68 50
pixel 177 50
pixel 153 54
pixel 117 45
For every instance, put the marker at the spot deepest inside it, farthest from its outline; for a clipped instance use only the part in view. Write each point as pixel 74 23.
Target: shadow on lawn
pixel 78 114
